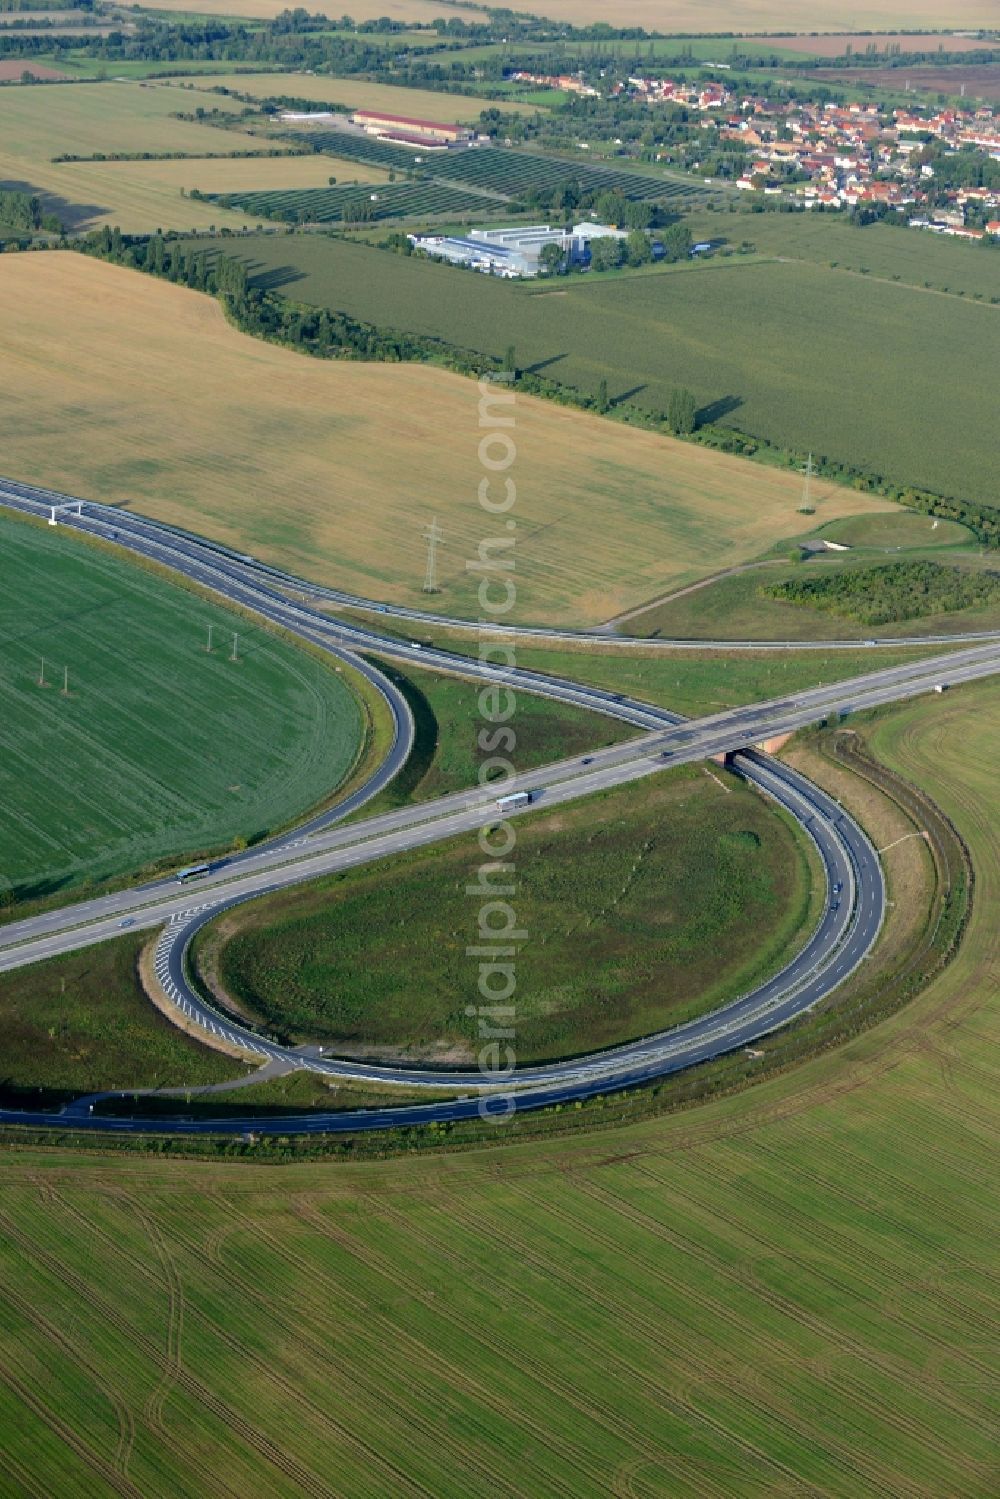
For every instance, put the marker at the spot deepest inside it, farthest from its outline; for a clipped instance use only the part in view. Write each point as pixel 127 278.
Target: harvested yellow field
pixel 336 469
pixel 37 124
pixel 87 194
pixel 697 16
pixel 346 170
pixel 244 173
pixel 690 17
pixel 356 93
pixel 362 10
pixel 146 186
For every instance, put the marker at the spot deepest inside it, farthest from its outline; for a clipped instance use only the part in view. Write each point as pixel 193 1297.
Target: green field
pixel 518 172
pixel 328 205
pixel 160 749
pixel 702 48
pixel 82 1023
pixel 771 348
pixel 879 251
pixel 616 946
pixel 697 682
pixel 786 1291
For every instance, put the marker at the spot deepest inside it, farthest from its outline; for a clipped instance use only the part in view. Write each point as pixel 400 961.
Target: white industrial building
pixel 515 251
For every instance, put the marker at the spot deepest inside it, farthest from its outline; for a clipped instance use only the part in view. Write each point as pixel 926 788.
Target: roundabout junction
pixel 842 939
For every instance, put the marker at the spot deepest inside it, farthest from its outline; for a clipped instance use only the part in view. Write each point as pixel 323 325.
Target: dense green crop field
pixel 342 144
pixel 160 749
pixel 786 1291
pixel 326 205
pixel 515 172
pixel 616 944
pixel 457 183
pixel 509 172
pixel 880 375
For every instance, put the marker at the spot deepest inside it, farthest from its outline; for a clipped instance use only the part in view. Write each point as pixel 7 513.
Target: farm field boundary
pixel 769 350
pixel 232 437
pixel 355 93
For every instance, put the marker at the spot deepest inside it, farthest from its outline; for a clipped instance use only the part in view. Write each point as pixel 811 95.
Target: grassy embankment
pixel 751 612
pixel 617 943
pixel 787 1289
pixel 159 749
pixel 768 346
pixel 693 682
pixel 336 470
pixel 82 1023
pixel 37 124
pixel 447 754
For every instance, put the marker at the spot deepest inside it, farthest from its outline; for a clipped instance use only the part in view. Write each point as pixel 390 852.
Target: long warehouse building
pixel 409 131
pixel 515 251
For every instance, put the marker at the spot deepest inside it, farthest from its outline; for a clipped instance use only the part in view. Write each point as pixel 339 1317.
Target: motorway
pixel 841 941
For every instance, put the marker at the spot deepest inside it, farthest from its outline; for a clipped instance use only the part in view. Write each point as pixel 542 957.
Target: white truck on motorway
pixel 515 799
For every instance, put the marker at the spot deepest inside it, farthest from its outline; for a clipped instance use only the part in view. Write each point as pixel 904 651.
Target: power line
pixel 807 507
pixel 432 538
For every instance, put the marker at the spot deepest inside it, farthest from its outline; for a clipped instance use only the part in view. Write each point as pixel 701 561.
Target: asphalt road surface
pixel 841 941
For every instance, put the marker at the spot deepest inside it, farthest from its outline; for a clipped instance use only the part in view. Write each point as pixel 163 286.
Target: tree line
pixel 893 592
pixel 23 211
pixel 328 334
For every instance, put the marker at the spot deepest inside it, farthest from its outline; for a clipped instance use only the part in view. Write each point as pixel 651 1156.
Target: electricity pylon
pixel 807 507
pixel 432 538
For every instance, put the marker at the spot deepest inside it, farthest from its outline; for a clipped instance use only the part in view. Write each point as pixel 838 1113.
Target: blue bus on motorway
pixel 193 872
